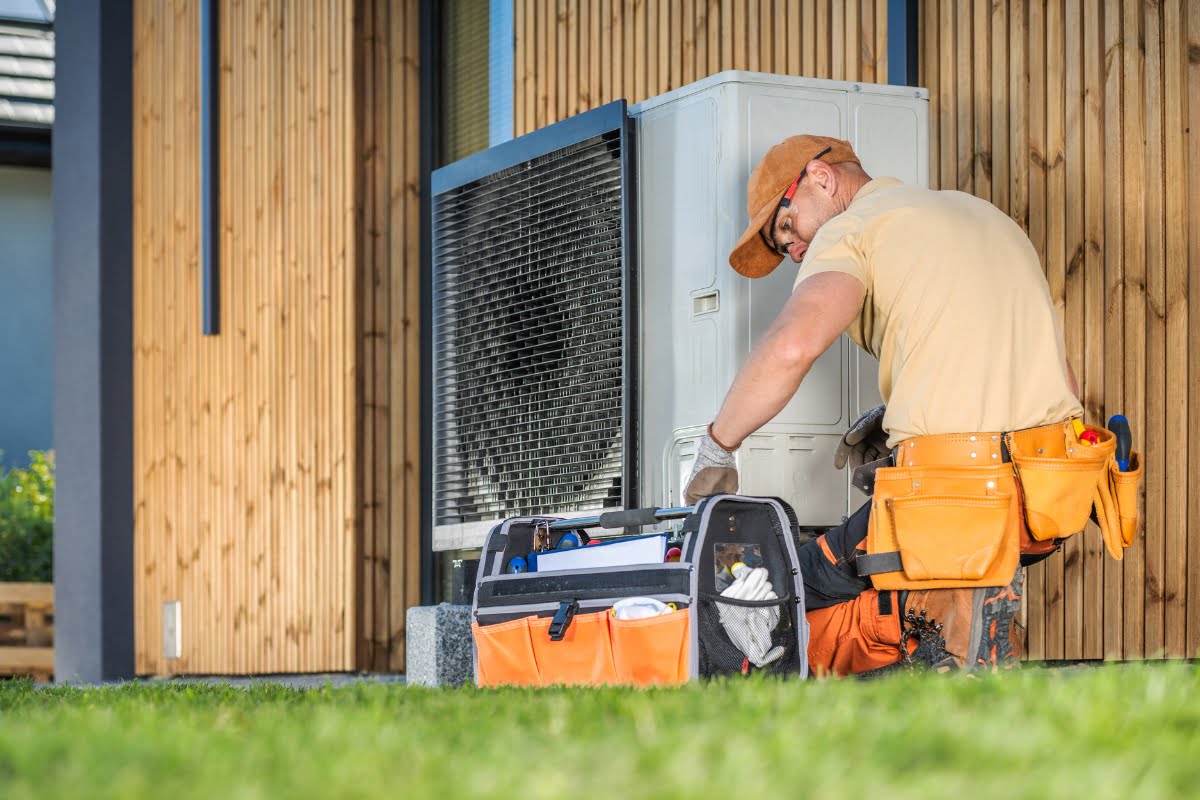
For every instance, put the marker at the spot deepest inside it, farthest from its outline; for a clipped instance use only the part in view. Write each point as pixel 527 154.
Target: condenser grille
pixel 529 402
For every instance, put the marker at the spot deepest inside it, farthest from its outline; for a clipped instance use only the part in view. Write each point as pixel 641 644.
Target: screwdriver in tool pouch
pixel 1120 428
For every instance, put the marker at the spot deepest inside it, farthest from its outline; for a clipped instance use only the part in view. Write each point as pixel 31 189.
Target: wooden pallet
pixel 27 630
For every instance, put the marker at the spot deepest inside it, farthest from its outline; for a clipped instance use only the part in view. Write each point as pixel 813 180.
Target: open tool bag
pixel 551 627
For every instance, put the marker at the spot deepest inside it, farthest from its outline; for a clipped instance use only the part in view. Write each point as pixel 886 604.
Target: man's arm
pixel 817 312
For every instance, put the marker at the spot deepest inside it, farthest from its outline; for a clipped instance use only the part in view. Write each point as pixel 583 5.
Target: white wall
pixel 26 312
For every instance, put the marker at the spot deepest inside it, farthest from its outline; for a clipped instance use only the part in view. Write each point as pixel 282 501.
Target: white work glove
pixel 750 628
pixel 715 472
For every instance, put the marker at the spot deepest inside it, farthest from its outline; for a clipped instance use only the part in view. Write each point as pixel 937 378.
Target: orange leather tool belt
pixel 951 513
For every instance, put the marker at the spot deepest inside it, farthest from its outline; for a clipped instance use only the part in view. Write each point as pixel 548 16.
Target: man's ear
pixel 823 175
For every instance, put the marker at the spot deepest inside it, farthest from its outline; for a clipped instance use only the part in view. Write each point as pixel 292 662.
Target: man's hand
pixel 715 472
pixel 866 441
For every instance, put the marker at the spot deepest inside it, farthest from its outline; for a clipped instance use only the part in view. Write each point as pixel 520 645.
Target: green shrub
pixel 27 520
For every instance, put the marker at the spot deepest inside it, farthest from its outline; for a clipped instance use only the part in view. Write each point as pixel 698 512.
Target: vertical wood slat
pixel 808 29
pixel 866 41
pixel 667 48
pixel 1134 213
pixel 1191 97
pixel 569 27
pixel 1030 30
pixel 837 40
pixel 370 288
pixel 1154 423
pixel 947 98
pixel 851 37
pixel 881 41
pixel 588 23
pixel 1175 523
pixel 1114 278
pixel 964 64
pixel 928 42
pixel 779 21
pixel 1094 318
pixel 411 520
pixel 999 106
pixel 981 89
pixel 792 42
pixel 1054 240
pixel 1069 183
pixel 715 39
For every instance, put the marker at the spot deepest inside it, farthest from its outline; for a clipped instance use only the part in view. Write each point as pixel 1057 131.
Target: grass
pixel 1114 732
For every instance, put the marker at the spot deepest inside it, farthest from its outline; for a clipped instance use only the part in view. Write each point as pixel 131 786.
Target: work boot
pixel 977 625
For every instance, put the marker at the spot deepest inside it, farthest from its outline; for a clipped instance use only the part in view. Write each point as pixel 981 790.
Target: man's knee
pixel 827 563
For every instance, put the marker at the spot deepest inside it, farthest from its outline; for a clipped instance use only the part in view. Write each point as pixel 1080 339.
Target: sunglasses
pixel 786 202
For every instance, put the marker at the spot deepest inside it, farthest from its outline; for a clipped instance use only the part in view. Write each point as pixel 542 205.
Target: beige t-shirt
pixel 957 311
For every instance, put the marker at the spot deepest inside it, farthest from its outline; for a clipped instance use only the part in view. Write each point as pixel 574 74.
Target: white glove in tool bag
pixel 733 602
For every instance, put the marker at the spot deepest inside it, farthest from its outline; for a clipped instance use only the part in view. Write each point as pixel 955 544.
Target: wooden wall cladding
pixel 1081 119
pixel 390 189
pixel 572 55
pixel 246 485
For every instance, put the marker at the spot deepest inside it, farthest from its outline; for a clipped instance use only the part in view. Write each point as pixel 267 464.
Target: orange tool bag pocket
pixel 942 527
pixel 591 649
pixel 1060 476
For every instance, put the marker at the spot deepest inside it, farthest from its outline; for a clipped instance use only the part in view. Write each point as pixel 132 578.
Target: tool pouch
pixel 1059 476
pixel 940 527
pixel 1116 505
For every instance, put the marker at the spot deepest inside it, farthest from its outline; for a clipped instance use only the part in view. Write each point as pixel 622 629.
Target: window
pixel 475 77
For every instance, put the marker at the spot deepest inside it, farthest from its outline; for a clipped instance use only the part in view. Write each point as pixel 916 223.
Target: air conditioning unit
pixel 586 323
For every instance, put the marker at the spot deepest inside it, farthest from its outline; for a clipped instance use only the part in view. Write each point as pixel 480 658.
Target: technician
pixel 948 294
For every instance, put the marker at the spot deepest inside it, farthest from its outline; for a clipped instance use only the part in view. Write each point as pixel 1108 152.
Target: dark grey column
pixel 93 345
pixel 902 43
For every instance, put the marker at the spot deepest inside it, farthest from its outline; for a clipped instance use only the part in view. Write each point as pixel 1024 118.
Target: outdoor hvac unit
pixel 586 323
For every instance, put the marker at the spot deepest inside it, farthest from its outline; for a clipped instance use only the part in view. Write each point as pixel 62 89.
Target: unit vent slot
pixel 529 400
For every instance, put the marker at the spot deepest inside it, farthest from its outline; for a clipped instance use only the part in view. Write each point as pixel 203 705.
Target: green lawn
pixel 1117 732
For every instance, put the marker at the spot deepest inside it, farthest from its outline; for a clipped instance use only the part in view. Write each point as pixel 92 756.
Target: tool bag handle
pixel 628 518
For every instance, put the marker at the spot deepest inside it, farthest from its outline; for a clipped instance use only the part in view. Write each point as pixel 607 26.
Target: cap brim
pixel 752 256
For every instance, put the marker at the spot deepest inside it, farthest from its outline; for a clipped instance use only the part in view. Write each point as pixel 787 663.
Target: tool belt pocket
pixel 1116 505
pixel 1059 476
pixel 942 527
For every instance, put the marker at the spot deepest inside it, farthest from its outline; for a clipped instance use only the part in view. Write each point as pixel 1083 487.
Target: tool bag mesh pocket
pixel 729 629
pixel 733 633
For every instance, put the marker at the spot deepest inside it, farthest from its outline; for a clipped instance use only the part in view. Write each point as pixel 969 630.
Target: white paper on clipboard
pixel 650 549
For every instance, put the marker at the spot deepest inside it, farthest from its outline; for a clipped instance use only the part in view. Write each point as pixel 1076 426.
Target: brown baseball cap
pixel 773 176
